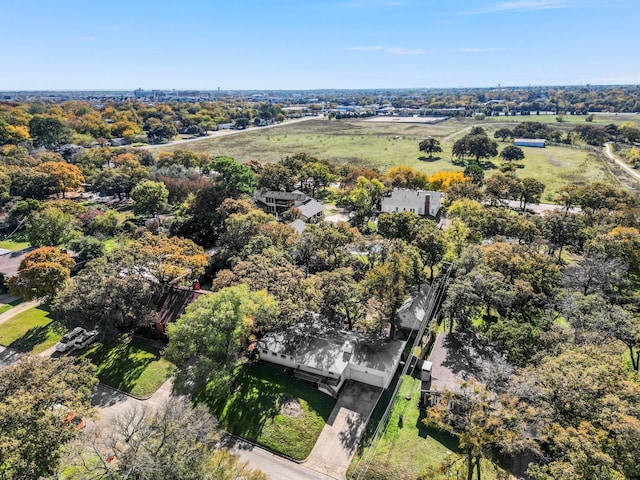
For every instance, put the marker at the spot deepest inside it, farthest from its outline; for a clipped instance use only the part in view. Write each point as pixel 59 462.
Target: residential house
pixel 174 302
pixel 330 357
pixel 277 202
pixel 423 202
pixel 529 142
pixel 413 312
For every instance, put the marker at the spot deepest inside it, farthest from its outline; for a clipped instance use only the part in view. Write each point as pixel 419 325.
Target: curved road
pixel 620 163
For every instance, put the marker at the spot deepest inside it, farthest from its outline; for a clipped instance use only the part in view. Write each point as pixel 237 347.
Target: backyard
pixel 385 145
pixel 408 449
pixel 269 407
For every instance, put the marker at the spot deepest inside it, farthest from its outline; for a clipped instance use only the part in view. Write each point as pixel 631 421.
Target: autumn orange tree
pixel 42 273
pixel 404 176
pixel 65 176
pixel 443 180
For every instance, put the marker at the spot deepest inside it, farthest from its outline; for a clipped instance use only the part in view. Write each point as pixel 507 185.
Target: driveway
pixel 339 439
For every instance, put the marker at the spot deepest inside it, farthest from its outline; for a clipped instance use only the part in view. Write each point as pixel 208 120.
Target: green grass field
pixel 598 119
pixel 407 449
pixel 14 246
pixel 131 364
pixel 389 144
pixel 32 331
pixel 253 410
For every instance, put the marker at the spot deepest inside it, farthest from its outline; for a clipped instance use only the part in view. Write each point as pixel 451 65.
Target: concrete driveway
pixel 339 439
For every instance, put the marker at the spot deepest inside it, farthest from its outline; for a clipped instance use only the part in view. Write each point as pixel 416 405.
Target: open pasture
pixel 384 145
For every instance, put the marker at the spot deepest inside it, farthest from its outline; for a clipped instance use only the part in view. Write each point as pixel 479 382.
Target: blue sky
pixel 307 44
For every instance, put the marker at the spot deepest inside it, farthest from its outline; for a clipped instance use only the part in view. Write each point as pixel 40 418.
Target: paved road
pixel 223 133
pixel 540 208
pixel 625 167
pixel 276 468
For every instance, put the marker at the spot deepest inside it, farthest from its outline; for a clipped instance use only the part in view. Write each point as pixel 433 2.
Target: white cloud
pixel 523 5
pixel 389 50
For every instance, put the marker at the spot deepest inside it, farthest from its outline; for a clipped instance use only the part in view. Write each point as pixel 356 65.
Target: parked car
pixel 85 339
pixel 69 417
pixel 68 339
pixel 75 421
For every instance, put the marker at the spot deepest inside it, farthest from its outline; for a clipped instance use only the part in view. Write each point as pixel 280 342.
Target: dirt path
pixel 223 133
pixel 620 163
pixel 450 137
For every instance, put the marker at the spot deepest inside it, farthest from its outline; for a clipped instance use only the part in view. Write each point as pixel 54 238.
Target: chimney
pixel 196 284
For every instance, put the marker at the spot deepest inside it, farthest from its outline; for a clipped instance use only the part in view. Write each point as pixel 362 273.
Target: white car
pixel 85 339
pixel 67 342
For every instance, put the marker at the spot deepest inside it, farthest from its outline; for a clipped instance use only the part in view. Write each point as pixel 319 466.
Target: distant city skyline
pixel 333 44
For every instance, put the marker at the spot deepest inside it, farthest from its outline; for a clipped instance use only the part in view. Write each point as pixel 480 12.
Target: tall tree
pixel 482 422
pixel 66 177
pixel 41 274
pixel 174 440
pixel 149 197
pixel 50 226
pixel 232 176
pixel 430 146
pixel 36 396
pixel 216 327
pixel 511 153
pixel 48 132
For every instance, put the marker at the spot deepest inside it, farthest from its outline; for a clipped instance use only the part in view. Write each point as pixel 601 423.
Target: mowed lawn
pixel 407 449
pixel 131 364
pixel 32 331
pixel 13 245
pixel 385 145
pixel 254 409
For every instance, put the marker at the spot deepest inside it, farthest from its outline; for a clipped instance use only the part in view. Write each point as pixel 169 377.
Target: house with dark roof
pixel 413 312
pixel 330 357
pixel 277 202
pixel 174 302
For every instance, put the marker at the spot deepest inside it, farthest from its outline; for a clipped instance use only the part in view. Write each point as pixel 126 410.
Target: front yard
pixel 31 331
pixel 272 408
pixel 131 364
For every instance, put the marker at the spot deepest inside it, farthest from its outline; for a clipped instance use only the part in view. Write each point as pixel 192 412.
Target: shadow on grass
pixel 256 399
pixel 121 363
pixel 33 337
pixel 422 158
pixel 449 441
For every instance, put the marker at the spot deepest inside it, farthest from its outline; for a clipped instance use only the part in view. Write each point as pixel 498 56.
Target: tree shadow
pixel 424 158
pixel 258 393
pixel 121 363
pixel 33 337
